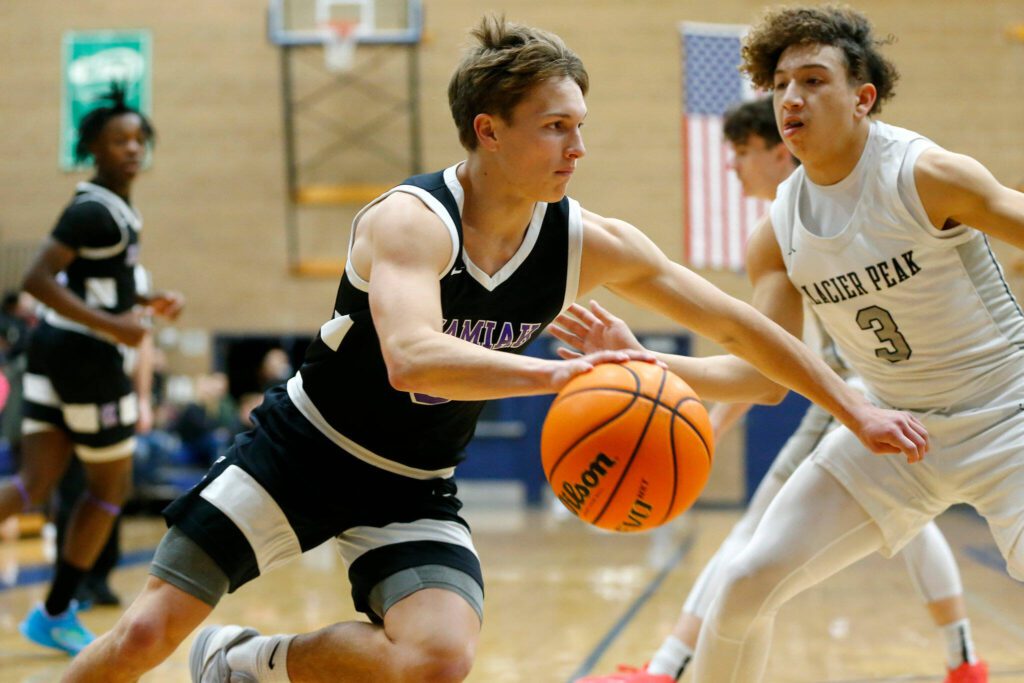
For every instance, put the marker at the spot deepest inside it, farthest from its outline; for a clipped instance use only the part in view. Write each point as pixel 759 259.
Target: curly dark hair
pixel 92 124
pixel 497 73
pixel 838 25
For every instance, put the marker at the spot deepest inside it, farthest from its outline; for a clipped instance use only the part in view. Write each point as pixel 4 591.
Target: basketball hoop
pixel 339 38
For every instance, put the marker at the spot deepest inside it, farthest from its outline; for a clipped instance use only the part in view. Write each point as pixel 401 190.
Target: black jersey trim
pixel 306 406
pixel 432 203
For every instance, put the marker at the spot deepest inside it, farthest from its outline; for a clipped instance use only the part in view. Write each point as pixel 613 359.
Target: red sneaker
pixel 631 674
pixel 969 673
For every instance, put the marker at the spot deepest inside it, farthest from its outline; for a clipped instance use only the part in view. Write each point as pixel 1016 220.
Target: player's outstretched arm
pixel 402 248
pixel 719 378
pixel 956 189
pixel 620 257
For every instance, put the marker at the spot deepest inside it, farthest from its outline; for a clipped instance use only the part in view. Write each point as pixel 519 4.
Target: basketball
pixel 627 447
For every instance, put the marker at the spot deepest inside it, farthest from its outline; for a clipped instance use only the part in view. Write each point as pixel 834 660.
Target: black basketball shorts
pixel 283 488
pixel 77 383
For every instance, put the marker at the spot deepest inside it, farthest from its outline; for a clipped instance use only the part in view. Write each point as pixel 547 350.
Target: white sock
pixel 263 657
pixel 671 658
pixel 959 645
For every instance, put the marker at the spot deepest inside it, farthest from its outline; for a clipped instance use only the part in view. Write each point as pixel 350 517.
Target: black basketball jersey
pixel 103 230
pixel 342 386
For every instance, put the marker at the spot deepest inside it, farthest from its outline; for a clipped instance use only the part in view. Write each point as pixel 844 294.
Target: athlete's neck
pixel 121 189
pixel 492 204
pixel 839 160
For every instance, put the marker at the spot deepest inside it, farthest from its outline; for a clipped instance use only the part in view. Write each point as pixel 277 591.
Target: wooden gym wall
pixel 213 199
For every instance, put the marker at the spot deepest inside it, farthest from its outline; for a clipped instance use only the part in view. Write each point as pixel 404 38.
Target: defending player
pixel 884 235
pixel 761 163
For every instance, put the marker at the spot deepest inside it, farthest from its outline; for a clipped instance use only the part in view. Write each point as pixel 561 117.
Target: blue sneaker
pixel 63 632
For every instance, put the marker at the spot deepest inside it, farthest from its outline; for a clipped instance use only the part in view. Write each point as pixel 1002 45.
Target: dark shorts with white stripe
pixel 77 383
pixel 283 488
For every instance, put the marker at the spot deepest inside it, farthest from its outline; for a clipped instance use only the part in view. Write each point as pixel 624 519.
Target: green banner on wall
pixel 91 62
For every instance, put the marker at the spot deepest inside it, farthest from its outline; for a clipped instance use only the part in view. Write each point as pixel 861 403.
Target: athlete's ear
pixel 867 94
pixel 486 135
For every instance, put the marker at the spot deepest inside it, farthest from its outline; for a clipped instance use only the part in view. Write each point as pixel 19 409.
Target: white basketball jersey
pixel 924 316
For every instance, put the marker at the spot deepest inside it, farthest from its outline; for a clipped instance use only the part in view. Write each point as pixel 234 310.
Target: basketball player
pixel 449 276
pixel 761 163
pixel 77 397
pixel 884 235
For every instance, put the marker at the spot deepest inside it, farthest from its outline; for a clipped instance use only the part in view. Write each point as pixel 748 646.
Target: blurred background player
pixel 77 396
pixel 761 163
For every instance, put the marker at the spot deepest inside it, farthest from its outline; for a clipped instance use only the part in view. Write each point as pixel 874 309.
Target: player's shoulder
pixel 403 216
pixel 598 227
pixel 87 208
pixel 399 208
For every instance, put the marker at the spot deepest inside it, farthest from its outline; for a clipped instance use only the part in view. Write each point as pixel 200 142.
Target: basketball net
pixel 339 44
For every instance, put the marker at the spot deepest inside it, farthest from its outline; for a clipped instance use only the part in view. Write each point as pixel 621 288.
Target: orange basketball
pixel 627 447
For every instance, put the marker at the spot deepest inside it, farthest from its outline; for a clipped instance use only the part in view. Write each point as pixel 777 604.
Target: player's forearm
pixel 786 360
pixel 447 367
pixel 724 378
pixel 44 288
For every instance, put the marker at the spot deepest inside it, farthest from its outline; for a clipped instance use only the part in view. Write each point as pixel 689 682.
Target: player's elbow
pixel 407 366
pixel 401 370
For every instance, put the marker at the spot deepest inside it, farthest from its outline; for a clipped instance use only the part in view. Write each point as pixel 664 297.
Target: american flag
pixel 718 217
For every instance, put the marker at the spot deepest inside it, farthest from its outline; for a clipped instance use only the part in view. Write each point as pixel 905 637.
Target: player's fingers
pixel 920 438
pixel 921 431
pixel 584 315
pixel 576 327
pixel 909 448
pixel 608 357
pixel 568 354
pixel 645 356
pixel 566 337
pixel 600 313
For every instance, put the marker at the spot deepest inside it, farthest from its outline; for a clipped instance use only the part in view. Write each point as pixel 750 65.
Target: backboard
pixel 292 23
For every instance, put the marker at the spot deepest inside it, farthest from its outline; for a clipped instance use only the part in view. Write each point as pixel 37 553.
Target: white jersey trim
pixel 305 405
pixel 572 270
pixel 334 330
pixel 252 509
pixel 491 282
pixel 126 216
pixel 39 389
pixel 357 541
pixel 123 449
pixel 432 203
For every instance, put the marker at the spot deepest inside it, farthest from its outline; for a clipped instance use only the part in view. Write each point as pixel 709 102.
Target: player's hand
pixel 566 370
pixel 127 328
pixel 891 432
pixel 588 331
pixel 167 304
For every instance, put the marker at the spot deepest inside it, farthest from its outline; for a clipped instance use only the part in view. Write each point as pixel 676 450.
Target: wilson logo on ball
pixel 575 494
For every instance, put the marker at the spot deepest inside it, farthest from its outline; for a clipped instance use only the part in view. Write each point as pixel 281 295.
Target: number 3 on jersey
pixel 880 321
